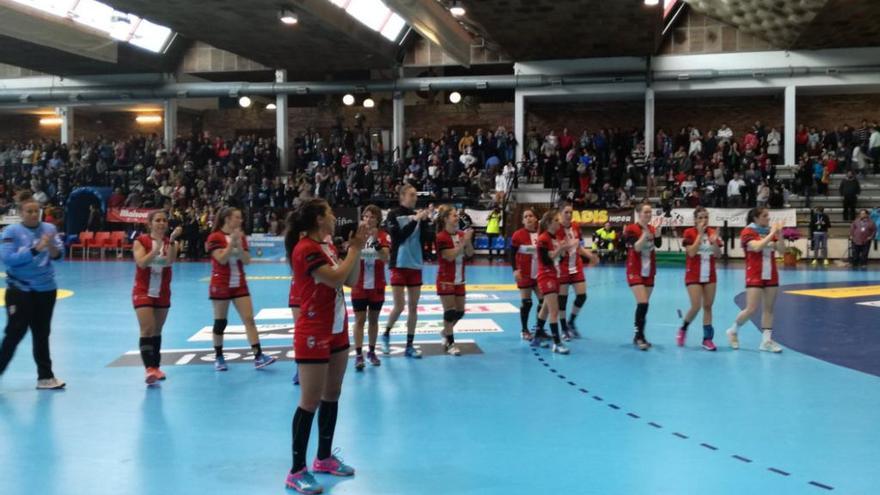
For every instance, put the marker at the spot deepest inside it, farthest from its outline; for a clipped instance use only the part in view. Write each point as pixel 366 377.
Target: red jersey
pixel 760 265
pixel 372 275
pixel 700 269
pixel 548 242
pixel 229 275
pixel 571 259
pixel 450 272
pixel 524 243
pixel 322 308
pixel 639 264
pixel 154 280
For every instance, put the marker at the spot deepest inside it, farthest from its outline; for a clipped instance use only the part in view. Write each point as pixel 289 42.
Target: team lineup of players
pixel 548 258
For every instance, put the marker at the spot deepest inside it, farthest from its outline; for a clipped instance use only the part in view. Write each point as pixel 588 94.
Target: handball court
pixel 501 419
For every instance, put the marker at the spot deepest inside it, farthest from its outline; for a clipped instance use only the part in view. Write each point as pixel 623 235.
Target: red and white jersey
pixel 230 274
pixel 700 269
pixel 451 272
pixel 322 308
pixel 525 244
pixel 571 262
pixel 644 263
pixel 548 242
pixel 760 265
pixel 153 280
pixel 372 267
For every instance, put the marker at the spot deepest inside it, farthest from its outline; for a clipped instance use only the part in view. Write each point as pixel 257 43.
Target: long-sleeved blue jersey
pixel 25 270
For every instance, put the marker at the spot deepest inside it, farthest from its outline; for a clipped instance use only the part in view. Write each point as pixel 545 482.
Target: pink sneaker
pixel 303 482
pixel 332 465
pixel 709 345
pixel 679 338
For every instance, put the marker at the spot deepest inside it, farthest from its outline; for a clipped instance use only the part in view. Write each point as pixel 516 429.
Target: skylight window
pixel 375 15
pixel 101 17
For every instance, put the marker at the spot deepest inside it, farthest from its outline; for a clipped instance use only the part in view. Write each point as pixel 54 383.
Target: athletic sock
pixel 524 310
pixel 767 334
pixel 387 331
pixel 708 332
pixel 579 301
pixel 372 348
pixel 218 351
pixel 641 317
pixel 301 428
pixel 145 344
pixel 685 324
pixel 554 330
pixel 326 428
pixel 563 302
pixel 358 350
pixel 409 339
pixel 450 339
pixel 258 350
pixel 157 351
pixel 541 324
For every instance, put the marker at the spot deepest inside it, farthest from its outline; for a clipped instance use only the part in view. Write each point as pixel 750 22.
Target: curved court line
pixel 658 426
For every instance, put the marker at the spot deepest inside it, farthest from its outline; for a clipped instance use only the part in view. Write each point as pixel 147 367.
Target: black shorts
pixel 364 304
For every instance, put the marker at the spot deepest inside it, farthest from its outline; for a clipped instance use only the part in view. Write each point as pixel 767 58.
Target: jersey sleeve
pixel 747 236
pixel 384 241
pixel 516 240
pixel 244 243
pixel 444 241
pixel 545 245
pixel 631 234
pixel 312 257
pixel 215 241
pixel 689 237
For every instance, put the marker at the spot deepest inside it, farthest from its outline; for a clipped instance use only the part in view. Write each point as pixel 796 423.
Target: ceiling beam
pixel 39 28
pixel 333 18
pixel 436 24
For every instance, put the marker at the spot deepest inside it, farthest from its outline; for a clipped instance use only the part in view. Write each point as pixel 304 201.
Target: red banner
pixel 128 215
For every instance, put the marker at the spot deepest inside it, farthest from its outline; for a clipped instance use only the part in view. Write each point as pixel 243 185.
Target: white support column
pixel 790 125
pixel 519 124
pixel 170 122
pixel 398 131
pixel 282 125
pixel 66 114
pixel 649 121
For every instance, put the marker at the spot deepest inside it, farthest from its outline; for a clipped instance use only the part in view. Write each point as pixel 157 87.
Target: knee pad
pixel 450 315
pixel 219 326
pixel 563 301
pixel 526 304
pixel 459 315
pixel 580 299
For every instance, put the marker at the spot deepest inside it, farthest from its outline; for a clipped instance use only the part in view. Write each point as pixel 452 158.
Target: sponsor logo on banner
pixel 596 218
pixel 423 310
pixel 284 331
pixel 243 355
pixel 266 248
pixel 735 217
pixel 128 215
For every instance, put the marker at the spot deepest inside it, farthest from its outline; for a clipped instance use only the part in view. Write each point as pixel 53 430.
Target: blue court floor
pixel 505 419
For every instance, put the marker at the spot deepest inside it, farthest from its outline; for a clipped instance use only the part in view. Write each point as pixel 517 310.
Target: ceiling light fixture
pixel 244 102
pixel 454 97
pixel 457 10
pixel 51 121
pixel 271 106
pixel 288 17
pixel 148 119
pixel 348 100
pixel 369 103
pixel 651 3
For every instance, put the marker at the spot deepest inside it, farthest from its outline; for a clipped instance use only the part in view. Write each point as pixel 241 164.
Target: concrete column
pixel 282 125
pixel 66 114
pixel 649 121
pixel 790 125
pixel 170 122
pixel 398 131
pixel 519 124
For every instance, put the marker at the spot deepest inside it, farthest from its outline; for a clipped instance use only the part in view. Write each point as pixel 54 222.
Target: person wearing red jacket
pixel 703 247
pixel 761 243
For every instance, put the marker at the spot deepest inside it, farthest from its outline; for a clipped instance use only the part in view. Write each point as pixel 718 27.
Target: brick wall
pixel 111 125
pixel 827 112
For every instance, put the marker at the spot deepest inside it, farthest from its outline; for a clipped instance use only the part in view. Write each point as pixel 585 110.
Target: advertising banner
pixel 266 247
pixel 128 215
pixel 735 217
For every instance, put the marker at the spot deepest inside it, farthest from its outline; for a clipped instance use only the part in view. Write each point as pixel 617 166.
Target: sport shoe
pixel 220 364
pixel 412 352
pixel 262 361
pixel 359 363
pixel 386 343
pixel 373 359
pixel 641 343
pixel 332 465
pixel 709 345
pixel 733 338
pixel 453 350
pixel 543 338
pixel 573 331
pixel 303 482
pixel 50 384
pixel 680 337
pixel 159 374
pixel 526 335
pixel 770 346
pixel 150 376
pixel 560 349
pixel 566 337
